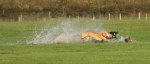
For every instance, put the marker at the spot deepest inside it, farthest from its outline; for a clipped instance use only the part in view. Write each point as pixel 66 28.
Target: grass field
pixel 13 50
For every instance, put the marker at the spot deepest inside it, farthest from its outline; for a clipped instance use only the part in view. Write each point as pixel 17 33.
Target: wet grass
pixel 75 53
pixel 96 53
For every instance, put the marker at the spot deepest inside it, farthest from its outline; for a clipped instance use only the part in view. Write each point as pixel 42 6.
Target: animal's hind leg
pixel 86 39
pixel 101 41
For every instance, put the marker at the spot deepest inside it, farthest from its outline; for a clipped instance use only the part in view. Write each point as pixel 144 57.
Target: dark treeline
pixel 74 7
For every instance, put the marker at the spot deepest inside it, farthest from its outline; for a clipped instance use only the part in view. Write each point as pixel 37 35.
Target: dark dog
pixel 114 34
pixel 128 40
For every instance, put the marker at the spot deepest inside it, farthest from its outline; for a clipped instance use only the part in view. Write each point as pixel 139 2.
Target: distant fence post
pixel 3 12
pixel 93 17
pixel 78 17
pixel 109 16
pixel 49 14
pixel 120 17
pixel 139 16
pixel 20 18
pixel 146 16
pixel 69 16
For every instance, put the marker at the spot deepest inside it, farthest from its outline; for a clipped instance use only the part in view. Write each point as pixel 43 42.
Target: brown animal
pixel 128 40
pixel 98 37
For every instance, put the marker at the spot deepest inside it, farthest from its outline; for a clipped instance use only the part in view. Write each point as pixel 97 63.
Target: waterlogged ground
pixel 16 40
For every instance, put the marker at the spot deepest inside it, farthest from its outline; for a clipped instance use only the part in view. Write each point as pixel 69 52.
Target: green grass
pixel 12 32
pixel 137 29
pixel 77 53
pixel 117 53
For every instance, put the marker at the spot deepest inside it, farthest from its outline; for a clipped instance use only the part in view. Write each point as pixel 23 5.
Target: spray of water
pixel 67 31
pixel 119 39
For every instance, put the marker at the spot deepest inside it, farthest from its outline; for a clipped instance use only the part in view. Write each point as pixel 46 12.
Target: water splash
pixel 67 31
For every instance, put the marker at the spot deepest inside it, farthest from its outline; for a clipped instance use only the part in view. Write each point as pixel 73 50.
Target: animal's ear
pixel 111 32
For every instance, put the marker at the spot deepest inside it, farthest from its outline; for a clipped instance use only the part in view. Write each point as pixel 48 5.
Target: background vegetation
pixel 74 7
